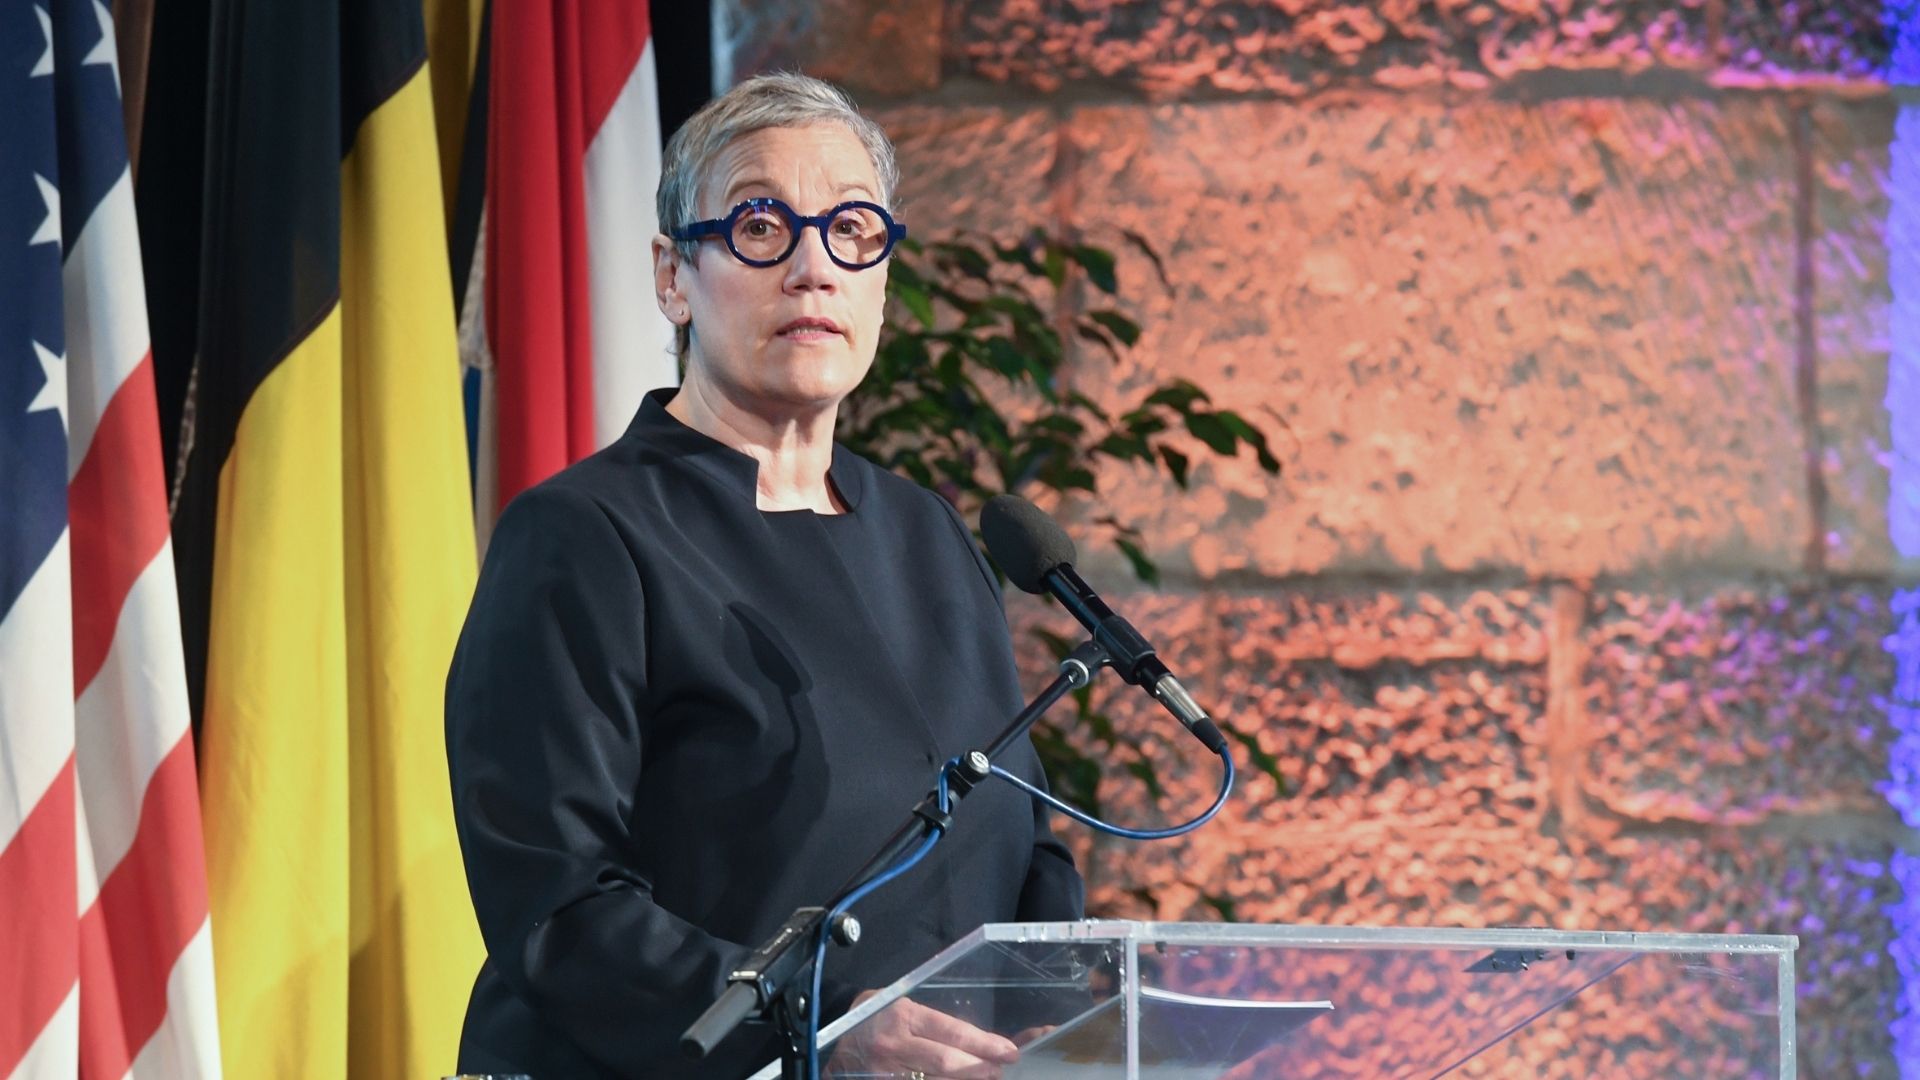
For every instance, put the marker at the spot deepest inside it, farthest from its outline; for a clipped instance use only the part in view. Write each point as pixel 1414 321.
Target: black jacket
pixel 672 718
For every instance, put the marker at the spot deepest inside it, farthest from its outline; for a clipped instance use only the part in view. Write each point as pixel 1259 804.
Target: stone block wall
pixel 1577 603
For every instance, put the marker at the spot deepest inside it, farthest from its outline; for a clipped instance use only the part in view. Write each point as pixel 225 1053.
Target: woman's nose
pixel 809 267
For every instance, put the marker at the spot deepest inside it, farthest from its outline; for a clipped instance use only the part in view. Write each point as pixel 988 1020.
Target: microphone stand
pixel 767 987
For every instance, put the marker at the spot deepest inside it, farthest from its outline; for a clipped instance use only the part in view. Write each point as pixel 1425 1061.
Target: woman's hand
pixel 913 1040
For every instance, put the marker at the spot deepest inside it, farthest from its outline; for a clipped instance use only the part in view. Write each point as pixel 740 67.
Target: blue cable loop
pixel 1084 818
pixel 945 801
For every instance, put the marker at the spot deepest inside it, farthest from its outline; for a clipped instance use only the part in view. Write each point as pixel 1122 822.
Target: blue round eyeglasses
pixel 765 231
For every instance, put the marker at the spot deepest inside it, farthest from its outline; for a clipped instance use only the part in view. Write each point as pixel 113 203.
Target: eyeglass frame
pixel 723 228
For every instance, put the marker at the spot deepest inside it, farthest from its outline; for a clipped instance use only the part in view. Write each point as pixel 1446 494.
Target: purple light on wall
pixel 1903 34
pixel 1903 513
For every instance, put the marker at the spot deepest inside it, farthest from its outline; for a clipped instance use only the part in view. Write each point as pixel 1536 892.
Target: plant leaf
pixel 1099 265
pixel 1019 255
pixel 1056 265
pixel 1125 447
pixel 1118 325
pixel 1141 245
pixel 1148 775
pixel 1143 568
pixel 1176 464
pixel 1055 643
pixel 1224 906
pixel 916 300
pixel 965 258
pixel 1208 428
pixel 1068 477
pixel 1178 394
pixel 1262 761
pixel 1099 338
pixel 1238 425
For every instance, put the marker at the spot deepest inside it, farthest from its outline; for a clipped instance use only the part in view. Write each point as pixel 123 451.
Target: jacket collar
pixel 657 428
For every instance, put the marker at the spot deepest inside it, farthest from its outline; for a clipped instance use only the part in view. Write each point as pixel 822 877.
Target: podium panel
pixel 1145 1001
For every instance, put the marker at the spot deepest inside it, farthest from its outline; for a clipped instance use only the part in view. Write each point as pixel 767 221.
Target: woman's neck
pixel 793 449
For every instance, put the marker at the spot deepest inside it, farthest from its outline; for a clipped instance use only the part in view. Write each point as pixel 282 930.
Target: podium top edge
pixel 1386 937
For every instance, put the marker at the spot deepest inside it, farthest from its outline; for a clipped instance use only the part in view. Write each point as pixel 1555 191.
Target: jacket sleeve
pixel 545 741
pixel 1053 891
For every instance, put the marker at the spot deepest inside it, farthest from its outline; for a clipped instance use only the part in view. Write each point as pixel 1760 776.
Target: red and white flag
pixel 105 942
pixel 560 317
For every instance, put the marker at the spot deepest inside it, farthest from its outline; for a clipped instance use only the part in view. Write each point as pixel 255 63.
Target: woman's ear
pixel 666 281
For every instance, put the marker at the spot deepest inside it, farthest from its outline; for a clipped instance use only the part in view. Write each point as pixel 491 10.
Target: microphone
pixel 1037 555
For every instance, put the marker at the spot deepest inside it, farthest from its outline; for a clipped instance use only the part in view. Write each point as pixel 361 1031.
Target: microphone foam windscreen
pixel 1023 540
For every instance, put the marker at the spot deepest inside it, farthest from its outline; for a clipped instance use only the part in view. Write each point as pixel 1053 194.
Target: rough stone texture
pixel 1739 705
pixel 1216 47
pixel 1385 712
pixel 881 48
pixel 1495 335
pixel 1235 47
pixel 1852 298
pixel 1834 896
pixel 1840 38
pixel 1405 715
pixel 974 168
pixel 1376 876
pixel 1412 708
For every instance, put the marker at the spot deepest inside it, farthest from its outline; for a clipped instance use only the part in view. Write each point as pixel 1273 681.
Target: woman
pixel 710 668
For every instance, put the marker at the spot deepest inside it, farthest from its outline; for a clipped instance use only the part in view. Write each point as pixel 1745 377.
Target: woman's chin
pixel 807 393
pixel 816 380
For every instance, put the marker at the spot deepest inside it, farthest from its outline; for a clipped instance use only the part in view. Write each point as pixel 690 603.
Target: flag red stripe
pixel 613 34
pixel 104 1053
pixel 147 912
pixel 557 71
pixel 117 508
pixel 38 950
pixel 538 320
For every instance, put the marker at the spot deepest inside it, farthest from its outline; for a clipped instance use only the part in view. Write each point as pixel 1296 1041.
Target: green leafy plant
pixel 969 395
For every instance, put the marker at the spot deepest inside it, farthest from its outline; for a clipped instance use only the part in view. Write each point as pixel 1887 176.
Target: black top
pixel 673 718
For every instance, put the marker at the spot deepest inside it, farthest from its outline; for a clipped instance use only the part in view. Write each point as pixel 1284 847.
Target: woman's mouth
pixel 812 328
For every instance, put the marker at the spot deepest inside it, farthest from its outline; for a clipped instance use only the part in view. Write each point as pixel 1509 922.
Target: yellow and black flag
pixel 326 546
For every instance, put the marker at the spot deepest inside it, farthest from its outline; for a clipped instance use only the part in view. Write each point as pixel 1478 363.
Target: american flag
pixel 105 946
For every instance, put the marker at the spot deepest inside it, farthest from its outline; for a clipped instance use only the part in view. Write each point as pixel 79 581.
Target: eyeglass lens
pixel 855 235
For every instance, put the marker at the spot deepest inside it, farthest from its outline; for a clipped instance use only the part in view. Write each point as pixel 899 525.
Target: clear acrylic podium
pixel 1146 1001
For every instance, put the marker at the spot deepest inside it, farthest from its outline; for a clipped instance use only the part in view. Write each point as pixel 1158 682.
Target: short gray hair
pixel 782 99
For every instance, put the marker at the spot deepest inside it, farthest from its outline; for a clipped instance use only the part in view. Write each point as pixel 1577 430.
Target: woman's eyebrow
pixel 738 185
pixel 855 187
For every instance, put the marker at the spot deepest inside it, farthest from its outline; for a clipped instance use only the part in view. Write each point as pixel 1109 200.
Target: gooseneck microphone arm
pixel 1037 555
pixel 1133 657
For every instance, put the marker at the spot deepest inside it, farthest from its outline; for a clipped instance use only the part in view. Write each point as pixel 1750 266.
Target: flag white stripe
pixel 187 1046
pixel 632 340
pixel 87 875
pixel 476 354
pixel 131 716
pixel 55 1053
pixel 36 692
pixel 106 304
